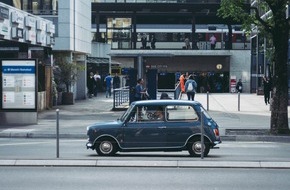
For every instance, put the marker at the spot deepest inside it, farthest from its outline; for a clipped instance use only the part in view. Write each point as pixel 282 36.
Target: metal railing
pixel 121 98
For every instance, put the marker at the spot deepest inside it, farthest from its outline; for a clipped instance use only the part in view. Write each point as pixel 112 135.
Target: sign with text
pixel 19 87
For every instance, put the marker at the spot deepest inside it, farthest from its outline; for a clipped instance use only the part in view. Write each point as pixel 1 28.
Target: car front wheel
pixel 194 148
pixel 106 147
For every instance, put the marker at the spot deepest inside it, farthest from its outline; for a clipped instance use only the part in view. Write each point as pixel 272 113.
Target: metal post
pixel 239 99
pixel 202 136
pixel 57 133
pixel 207 100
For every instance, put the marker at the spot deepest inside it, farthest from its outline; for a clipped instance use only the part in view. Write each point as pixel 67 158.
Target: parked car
pixel 156 125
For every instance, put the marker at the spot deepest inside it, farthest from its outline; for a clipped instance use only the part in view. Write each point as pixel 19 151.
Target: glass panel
pixel 17 4
pixel 182 113
pixel 47 7
pixel 35 6
pixel 25 5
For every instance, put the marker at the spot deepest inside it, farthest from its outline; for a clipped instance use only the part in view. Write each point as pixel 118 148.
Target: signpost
pixel 19 91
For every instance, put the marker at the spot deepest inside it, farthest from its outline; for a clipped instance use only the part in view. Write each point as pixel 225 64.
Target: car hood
pixel 108 124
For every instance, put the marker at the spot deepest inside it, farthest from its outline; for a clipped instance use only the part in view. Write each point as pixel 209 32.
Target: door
pixel 143 132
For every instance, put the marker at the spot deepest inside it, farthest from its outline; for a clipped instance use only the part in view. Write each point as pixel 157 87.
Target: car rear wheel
pixel 194 147
pixel 106 147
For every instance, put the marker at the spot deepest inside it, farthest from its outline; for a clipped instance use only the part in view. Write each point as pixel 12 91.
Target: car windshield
pixel 125 115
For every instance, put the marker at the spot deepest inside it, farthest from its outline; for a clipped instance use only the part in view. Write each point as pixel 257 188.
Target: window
pixel 181 113
pixel 147 114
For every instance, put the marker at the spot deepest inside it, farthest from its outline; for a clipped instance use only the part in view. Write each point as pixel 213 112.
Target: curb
pixel 268 138
pixel 146 163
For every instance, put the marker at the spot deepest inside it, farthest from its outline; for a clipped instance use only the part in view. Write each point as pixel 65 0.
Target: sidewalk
pixel 251 123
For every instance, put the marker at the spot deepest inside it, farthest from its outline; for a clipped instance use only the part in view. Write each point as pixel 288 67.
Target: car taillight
pixel 216 132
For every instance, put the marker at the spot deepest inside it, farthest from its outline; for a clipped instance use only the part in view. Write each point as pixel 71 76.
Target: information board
pixel 19 84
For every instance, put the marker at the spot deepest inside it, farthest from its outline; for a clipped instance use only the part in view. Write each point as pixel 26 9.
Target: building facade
pixel 125 24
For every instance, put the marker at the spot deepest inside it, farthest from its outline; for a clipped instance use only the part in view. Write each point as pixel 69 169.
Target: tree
pixel 275 26
pixel 66 72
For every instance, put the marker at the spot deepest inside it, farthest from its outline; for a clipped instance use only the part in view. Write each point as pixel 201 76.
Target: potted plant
pixel 65 76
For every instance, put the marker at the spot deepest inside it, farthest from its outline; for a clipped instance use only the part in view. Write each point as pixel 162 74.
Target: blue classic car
pixel 156 125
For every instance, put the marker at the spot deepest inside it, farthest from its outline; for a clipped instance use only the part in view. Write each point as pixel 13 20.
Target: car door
pixel 182 122
pixel 143 133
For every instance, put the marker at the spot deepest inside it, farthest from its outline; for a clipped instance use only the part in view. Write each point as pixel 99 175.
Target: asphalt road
pixel 19 148
pixel 71 178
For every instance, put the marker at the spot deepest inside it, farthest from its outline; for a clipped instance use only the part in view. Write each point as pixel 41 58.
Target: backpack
pixel 190 87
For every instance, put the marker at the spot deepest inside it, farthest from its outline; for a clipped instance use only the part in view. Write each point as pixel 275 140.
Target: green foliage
pixel 66 72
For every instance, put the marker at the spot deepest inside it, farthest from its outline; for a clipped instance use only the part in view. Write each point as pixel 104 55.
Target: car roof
pixel 166 102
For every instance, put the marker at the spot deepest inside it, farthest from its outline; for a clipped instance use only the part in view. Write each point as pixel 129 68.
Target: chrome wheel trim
pixel 106 147
pixel 196 147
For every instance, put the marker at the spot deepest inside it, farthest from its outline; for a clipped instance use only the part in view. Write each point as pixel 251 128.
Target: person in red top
pixel 182 82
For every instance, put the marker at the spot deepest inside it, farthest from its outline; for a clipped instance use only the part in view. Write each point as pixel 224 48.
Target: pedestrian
pixel 239 86
pixel 108 80
pixel 190 88
pixel 144 41
pixel 212 41
pixel 97 79
pixel 153 41
pixel 267 89
pixel 182 82
pixel 139 90
pixel 90 85
pixel 187 43
pixel 116 81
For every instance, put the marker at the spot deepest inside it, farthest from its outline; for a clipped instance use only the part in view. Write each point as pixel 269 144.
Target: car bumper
pixel 89 145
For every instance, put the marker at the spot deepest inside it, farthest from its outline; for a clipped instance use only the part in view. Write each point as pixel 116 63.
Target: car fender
pixel 106 136
pixel 197 135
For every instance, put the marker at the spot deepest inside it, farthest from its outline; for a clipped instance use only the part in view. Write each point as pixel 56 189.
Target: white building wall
pixel 74 26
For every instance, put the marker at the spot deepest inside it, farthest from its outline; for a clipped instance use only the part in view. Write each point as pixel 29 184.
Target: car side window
pixel 181 113
pixel 147 114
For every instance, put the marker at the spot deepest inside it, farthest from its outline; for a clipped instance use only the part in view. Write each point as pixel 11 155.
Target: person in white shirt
pixel 212 41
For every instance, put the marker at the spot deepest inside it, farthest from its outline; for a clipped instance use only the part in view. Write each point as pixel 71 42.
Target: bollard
pixel 202 136
pixel 239 99
pixel 57 133
pixel 207 100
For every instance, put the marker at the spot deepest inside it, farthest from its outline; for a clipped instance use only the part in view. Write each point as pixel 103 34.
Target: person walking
pixel 108 80
pixel 239 86
pixel 182 83
pixel 190 88
pixel 139 90
pixel 97 78
pixel 144 41
pixel 116 81
pixel 91 84
pixel 212 41
pixel 187 43
pixel 267 90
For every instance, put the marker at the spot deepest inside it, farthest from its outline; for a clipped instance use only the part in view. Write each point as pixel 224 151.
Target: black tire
pixel 106 147
pixel 194 147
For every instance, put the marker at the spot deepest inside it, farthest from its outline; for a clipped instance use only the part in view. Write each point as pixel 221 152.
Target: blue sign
pixel 18 69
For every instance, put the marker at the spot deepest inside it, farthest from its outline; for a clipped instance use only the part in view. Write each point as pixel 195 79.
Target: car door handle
pixel 162 127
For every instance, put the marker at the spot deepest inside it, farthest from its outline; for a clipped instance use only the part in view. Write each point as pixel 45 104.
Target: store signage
pixel 40 25
pixel 21 26
pixel 40 38
pixel 4 13
pixel 17 18
pixel 30 36
pixel 50 28
pixel 18 84
pixel 4 29
pixel 16 33
pixel 30 22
